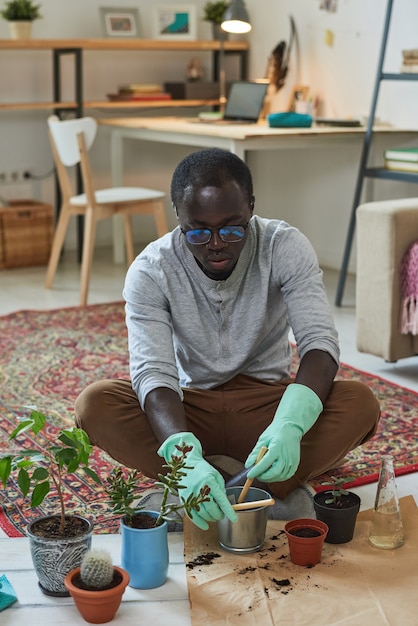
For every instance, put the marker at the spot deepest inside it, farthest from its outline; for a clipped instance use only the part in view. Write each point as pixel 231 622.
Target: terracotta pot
pixel 97 607
pixel 341 521
pixel 305 550
pixel 53 558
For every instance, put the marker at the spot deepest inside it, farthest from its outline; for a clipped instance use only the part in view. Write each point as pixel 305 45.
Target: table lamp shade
pixel 236 19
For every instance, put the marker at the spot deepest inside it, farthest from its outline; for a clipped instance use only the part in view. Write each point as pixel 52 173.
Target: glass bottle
pixel 386 530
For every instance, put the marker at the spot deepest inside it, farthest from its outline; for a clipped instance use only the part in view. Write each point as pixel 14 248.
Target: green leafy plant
pixel 39 471
pixel 21 11
pixel 214 11
pixel 337 489
pixel 123 491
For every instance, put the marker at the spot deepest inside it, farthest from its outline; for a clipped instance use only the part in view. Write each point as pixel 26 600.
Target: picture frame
pixel 176 22
pixel 120 22
pixel 298 92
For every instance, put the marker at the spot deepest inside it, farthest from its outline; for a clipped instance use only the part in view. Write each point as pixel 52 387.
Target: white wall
pixel 312 190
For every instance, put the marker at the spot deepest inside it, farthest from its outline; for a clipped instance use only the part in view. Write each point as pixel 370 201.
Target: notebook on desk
pixel 244 104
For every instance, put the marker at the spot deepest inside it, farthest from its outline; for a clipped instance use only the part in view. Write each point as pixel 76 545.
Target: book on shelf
pixel 402 154
pixel 410 54
pixel 410 68
pixel 136 97
pixel 401 166
pixel 140 87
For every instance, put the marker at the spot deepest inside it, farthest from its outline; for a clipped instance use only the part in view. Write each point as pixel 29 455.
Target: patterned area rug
pixel 48 357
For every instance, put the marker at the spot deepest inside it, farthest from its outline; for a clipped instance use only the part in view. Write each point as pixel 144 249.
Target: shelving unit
pixel 76 48
pixel 372 172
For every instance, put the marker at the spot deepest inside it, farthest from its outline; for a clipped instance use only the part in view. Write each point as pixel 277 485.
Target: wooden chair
pixel 70 142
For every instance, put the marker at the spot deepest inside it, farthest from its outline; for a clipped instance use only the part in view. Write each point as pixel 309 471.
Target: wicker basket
pixel 26 230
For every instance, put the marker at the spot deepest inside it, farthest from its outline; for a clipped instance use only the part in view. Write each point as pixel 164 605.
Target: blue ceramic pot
pixel 145 554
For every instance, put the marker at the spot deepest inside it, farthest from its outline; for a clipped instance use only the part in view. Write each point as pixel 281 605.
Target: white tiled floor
pixel 23 289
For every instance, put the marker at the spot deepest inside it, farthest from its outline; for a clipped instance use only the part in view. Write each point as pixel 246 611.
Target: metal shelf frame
pixel 376 172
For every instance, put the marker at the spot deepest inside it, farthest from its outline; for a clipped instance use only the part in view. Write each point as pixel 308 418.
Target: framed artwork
pixel 118 22
pixel 299 92
pixel 175 22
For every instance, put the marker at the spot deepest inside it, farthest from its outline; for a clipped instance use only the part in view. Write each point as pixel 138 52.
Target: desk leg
pixel 116 163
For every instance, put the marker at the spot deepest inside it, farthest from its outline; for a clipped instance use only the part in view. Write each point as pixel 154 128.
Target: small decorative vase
pixel 341 520
pixel 97 606
pixel 53 558
pixel 386 528
pixel 145 554
pixel 20 29
pixel 305 537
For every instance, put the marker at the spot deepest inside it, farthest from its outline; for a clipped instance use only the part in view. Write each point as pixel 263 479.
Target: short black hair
pixel 211 167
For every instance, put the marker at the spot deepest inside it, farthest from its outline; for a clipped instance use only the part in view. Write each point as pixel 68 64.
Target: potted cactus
pixel 97 586
pixel 338 508
pixel 57 542
pixel 144 533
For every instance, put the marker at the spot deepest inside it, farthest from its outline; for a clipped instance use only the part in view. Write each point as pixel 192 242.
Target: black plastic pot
pixel 340 520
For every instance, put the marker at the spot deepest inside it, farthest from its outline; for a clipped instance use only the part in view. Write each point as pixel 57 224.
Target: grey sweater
pixel 187 330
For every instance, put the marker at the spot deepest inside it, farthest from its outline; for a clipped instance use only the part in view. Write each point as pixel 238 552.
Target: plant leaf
pixel 5 469
pixel 39 493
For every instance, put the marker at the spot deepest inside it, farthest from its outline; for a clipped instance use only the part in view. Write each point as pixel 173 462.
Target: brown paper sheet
pixel 355 584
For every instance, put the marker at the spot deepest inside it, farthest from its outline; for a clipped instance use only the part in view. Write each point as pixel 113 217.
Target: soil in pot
pixel 305 532
pixel 143 520
pixel 49 527
pixel 340 516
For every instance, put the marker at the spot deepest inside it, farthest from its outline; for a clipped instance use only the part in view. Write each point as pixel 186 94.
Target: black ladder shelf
pixel 372 172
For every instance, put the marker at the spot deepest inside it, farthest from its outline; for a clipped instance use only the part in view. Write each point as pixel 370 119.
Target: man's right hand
pixel 200 475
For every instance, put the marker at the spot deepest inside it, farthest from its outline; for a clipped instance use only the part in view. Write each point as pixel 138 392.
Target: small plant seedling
pixel 38 472
pixel 123 491
pixel 337 488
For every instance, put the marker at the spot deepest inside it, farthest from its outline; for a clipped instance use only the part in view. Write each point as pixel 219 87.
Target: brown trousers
pixel 228 421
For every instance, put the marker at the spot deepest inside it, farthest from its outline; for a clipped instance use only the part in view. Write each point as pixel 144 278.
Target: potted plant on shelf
pixel 213 12
pixel 338 508
pixel 20 14
pixel 97 586
pixel 57 542
pixel 144 550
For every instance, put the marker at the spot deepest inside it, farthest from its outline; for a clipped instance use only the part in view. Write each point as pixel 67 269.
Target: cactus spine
pixel 96 569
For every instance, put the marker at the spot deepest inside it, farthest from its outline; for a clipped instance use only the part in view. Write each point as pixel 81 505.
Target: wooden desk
pixel 237 138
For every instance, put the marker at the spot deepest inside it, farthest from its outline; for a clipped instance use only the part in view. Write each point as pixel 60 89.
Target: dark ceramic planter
pixel 340 520
pixel 53 558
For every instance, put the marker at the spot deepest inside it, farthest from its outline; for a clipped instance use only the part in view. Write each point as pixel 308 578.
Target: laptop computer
pixel 244 104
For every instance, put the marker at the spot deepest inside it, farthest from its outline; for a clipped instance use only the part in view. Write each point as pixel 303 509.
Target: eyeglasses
pixel 201 236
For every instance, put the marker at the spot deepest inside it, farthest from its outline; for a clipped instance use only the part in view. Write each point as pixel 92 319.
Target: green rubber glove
pixel 297 412
pixel 201 474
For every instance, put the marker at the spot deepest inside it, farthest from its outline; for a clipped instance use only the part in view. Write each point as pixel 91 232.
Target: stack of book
pixel 402 159
pixel 139 92
pixel 410 61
